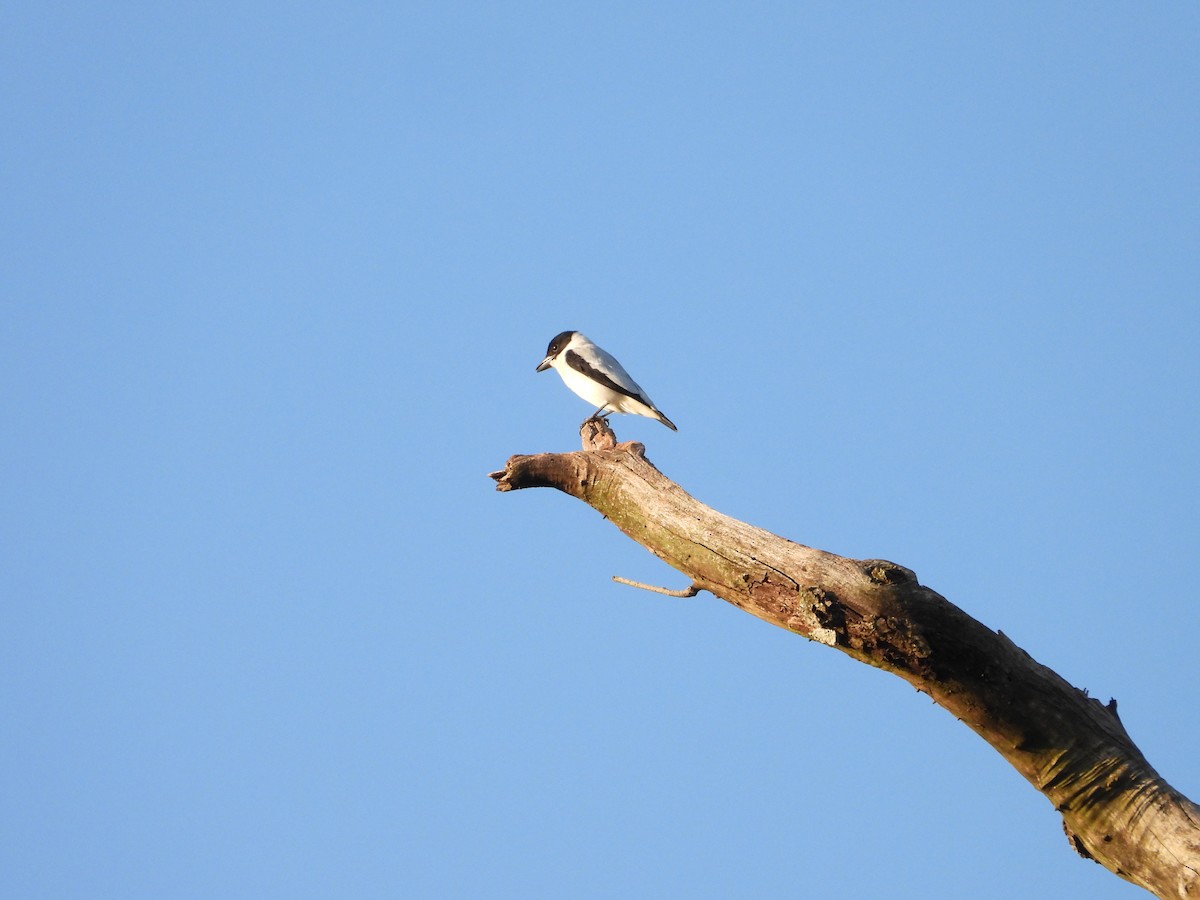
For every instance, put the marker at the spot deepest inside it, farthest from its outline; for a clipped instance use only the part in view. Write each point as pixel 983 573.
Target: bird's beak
pixel 543 365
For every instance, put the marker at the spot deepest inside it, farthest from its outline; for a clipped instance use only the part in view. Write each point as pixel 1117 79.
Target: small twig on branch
pixel 690 591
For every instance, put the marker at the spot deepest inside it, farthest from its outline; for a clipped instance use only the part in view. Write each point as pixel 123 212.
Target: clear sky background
pixel 916 281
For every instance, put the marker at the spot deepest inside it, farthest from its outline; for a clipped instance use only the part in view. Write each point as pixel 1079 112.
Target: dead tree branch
pixel 1116 809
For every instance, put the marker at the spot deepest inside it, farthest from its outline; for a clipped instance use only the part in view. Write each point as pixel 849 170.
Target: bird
pixel 598 378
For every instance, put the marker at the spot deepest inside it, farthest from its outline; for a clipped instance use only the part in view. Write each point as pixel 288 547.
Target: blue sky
pixel 915 282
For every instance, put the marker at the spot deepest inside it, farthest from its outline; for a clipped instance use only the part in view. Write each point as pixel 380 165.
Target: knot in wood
pixel 881 571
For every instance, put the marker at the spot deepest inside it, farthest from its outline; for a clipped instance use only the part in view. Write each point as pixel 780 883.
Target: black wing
pixel 579 364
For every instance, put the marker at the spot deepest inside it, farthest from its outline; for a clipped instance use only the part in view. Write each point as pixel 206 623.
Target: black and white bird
pixel 598 378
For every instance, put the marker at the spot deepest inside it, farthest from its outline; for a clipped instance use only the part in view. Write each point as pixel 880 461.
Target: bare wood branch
pixel 1116 809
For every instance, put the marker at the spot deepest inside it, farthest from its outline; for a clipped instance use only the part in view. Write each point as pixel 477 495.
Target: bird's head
pixel 557 346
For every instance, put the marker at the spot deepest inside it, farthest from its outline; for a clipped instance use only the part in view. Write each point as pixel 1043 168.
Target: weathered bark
pixel 1116 809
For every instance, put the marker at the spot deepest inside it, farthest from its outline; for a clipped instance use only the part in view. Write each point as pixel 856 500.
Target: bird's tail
pixel 665 420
